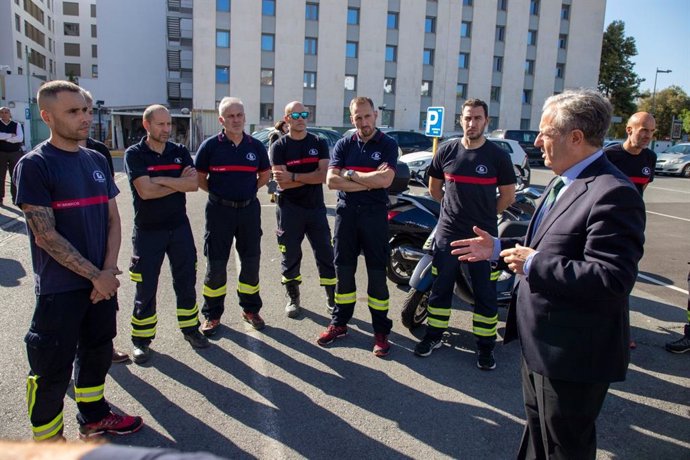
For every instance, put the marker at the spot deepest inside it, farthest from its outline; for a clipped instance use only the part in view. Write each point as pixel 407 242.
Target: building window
pixel 426 88
pixel 534 7
pixel 310 46
pixel 94 51
pixel 19 50
pixel 222 38
pixel 532 38
pixel 524 123
pixel 268 8
pixel 428 58
pixel 72 49
pixel 529 67
pixel 266 112
pixel 527 96
pixel 312 113
pixel 34 34
pixel 312 12
pixel 72 70
pixel 391 53
pixel 49 24
pixel 309 80
pixel 463 60
pixel 50 44
pixel 222 74
pixel 94 71
pixel 498 64
pixel 560 70
pixel 17 23
pixel 94 31
pixel 70 9
pixel 392 21
pixel 353 16
pixel 430 25
pixel 351 50
pixel 466 29
pixel 389 85
pixel 351 82
pixel 496 93
pixel 222 5
pixel 467 2
pixel 502 5
pixel 461 90
pixel 93 10
pixel 267 77
pixel 267 42
pixel 565 12
pixel 562 41
pixel 500 33
pixel 71 29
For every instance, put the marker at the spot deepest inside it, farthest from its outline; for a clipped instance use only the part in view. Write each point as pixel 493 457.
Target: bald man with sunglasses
pixel 299 161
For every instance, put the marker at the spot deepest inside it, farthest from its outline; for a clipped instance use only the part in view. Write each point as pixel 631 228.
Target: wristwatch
pixel 348 174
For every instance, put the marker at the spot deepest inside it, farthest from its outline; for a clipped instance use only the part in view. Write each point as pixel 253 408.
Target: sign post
pixel 434 125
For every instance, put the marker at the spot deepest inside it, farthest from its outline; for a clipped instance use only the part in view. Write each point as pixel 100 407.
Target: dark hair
pixel 476 103
pixel 361 100
pixel 280 124
pixel 51 89
pixel 584 109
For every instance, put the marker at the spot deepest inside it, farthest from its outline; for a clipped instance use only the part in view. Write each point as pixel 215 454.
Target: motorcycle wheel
pixel 414 309
pixel 399 271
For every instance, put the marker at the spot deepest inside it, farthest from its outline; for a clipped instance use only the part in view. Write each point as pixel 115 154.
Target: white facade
pixel 76 36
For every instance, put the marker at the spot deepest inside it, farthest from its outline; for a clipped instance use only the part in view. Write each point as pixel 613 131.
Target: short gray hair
pixel 228 101
pixel 150 110
pixel 584 109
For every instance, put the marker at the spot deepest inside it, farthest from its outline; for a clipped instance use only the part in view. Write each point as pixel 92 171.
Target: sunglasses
pixel 296 115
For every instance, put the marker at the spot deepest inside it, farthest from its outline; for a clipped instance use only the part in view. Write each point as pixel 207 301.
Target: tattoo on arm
pixel 41 220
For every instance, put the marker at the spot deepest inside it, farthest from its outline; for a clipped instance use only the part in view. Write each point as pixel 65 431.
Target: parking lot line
pixel 669 216
pixel 669 189
pixel 661 283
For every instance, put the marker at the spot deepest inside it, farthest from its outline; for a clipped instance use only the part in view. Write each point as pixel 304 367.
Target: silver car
pixel 675 161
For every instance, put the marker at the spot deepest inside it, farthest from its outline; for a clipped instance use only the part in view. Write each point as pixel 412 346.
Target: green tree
pixel 668 103
pixel 685 115
pixel 617 79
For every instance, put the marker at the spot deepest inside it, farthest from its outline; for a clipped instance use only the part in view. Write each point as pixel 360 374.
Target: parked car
pixel 526 140
pixel 410 141
pixel 329 135
pixel 419 162
pixel 675 160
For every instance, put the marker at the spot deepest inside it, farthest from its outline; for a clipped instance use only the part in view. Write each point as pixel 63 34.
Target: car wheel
pixel 686 171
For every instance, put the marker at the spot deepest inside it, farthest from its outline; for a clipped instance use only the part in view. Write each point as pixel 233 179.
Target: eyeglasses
pixel 296 115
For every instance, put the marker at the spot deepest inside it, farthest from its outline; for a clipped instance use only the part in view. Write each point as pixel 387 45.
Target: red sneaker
pixel 381 345
pixel 254 319
pixel 112 423
pixel 330 334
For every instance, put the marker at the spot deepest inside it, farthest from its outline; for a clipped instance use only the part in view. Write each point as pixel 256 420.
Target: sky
pixel 661 29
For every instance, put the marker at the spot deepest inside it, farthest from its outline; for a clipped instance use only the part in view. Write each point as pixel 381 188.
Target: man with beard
pixel 471 168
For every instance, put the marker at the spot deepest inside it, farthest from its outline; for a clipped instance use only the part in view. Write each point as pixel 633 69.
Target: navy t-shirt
pixel 351 153
pixel 471 178
pixel 639 168
pixel 77 186
pixel 168 212
pixel 301 156
pixel 231 168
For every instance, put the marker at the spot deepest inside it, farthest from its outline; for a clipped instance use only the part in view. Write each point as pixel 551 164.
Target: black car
pixel 410 141
pixel 526 140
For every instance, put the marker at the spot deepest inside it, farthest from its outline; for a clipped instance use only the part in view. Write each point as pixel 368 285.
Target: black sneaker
pixel 426 346
pixel 679 346
pixel 485 359
pixel 141 353
pixel 196 339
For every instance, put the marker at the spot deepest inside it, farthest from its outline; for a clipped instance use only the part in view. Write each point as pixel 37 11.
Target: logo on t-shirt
pixel 251 156
pixel 98 176
pixel 313 152
pixel 178 160
pixel 376 156
pixel 646 171
pixel 481 169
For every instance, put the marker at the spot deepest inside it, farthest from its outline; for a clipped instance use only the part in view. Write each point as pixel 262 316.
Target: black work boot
pixel 330 295
pixel 293 307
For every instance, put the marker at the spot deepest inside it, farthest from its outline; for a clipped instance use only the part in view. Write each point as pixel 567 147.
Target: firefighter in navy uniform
pixel 471 169
pixel 633 157
pixel 231 167
pixel 361 169
pixel 300 162
pixel 160 173
pixel 68 199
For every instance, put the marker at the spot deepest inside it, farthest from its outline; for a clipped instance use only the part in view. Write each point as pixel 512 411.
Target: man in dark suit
pixel 575 270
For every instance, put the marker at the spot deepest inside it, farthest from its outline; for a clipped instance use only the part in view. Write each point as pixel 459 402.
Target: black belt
pixel 215 199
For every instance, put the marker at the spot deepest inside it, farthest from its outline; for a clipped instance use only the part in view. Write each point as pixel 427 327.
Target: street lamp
pixel 99 104
pixel 654 92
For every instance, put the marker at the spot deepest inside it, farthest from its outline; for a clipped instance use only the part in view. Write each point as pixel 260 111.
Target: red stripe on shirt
pixel 471 180
pixel 360 168
pixel 233 168
pixel 639 180
pixel 164 168
pixel 79 202
pixel 303 161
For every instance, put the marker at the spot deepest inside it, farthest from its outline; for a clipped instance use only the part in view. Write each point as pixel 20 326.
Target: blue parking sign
pixel 434 122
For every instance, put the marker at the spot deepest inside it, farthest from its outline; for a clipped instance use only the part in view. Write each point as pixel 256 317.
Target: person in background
pixel 11 141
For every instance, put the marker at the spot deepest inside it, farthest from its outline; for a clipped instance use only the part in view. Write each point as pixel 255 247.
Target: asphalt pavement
pixel 276 394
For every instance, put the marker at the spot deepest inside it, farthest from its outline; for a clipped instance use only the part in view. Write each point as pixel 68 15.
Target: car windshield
pixel 679 149
pixel 523 137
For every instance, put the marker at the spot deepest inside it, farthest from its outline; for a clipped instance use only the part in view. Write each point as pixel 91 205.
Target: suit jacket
pixel 571 312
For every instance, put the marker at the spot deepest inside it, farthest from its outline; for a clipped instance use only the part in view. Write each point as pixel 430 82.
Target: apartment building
pixel 76 37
